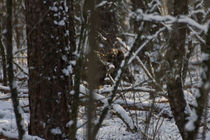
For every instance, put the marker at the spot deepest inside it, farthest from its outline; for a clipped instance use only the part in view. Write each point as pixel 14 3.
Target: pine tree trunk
pixel 51 41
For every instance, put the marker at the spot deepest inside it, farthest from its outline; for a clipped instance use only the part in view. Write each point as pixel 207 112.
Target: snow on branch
pixel 128 89
pixel 171 19
pixel 124 116
pixel 7 89
pixel 144 44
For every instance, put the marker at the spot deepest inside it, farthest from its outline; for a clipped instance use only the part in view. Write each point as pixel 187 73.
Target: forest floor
pixel 113 128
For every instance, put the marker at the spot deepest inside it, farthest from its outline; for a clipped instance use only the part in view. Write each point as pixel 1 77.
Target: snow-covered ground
pixel 113 128
pixel 7 118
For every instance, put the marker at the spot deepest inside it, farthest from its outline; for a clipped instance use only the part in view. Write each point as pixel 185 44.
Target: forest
pixel 104 69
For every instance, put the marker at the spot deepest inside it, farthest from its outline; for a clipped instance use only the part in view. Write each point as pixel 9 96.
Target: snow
pixel 170 19
pixel 101 4
pixel 59 13
pixel 191 119
pixel 67 71
pixel 208 136
pixel 64 58
pixel 144 44
pixel 53 8
pixel 29 137
pixel 56 131
pixel 112 128
pixel 7 119
pixel 124 115
pixel 14 84
pixel 207 85
pixel 69 123
pixel 4 31
pixel 60 23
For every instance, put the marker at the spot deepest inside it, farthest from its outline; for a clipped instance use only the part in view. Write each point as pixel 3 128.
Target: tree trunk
pixel 51 41
pixel 4 63
pixel 175 56
pixel 2 49
pixel 12 83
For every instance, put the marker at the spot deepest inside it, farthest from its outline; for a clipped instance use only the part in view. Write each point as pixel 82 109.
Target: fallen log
pixel 160 109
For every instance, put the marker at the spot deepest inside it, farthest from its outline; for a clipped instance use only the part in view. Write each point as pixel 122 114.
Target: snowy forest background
pixel 105 69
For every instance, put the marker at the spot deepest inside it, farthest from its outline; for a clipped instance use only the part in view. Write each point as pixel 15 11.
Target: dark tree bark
pixel 2 48
pixel 175 56
pixel 93 74
pixel 51 42
pixel 4 63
